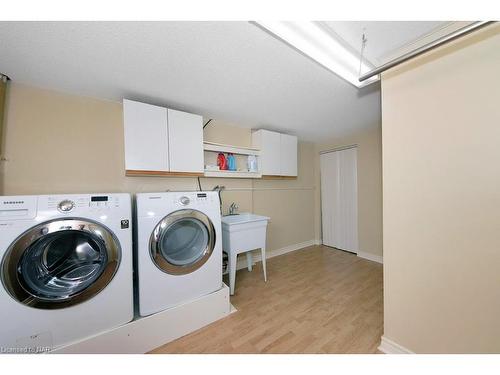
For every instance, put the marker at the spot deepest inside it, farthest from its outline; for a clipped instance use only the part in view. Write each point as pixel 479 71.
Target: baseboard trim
pixel 242 262
pixel 372 257
pixel 388 346
pixel 288 249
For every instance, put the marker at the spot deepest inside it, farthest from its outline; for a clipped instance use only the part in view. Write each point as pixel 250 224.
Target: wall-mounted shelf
pixel 219 147
pixel 232 174
pixel 241 153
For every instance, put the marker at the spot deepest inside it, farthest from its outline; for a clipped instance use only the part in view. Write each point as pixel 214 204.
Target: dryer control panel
pixel 189 199
pixel 160 204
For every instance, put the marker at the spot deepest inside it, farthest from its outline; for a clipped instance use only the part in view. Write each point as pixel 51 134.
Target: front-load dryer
pixel 179 248
pixel 66 269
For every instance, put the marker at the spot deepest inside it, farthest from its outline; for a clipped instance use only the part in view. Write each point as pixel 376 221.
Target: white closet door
pixel 339 199
pixel 329 192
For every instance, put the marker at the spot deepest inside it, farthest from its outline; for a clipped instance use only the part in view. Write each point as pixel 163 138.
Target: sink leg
pixel 232 270
pixel 263 252
pixel 249 260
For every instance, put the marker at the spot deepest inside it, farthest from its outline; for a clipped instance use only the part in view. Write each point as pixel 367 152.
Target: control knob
pixel 66 205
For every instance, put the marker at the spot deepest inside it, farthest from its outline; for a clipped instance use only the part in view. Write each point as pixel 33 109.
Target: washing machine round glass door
pixel 60 263
pixel 182 242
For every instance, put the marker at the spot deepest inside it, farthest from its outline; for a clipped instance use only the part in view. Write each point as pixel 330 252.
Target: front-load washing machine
pixel 66 269
pixel 179 248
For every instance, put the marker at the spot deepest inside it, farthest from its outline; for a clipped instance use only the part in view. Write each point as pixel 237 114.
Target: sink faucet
pixel 233 208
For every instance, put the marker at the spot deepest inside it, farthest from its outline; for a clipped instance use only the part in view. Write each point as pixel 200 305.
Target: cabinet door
pixel 269 144
pixel 288 155
pixel 146 136
pixel 185 137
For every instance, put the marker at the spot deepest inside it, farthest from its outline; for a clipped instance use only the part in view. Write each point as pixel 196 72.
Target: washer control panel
pixel 99 201
pixel 79 204
pixel 66 205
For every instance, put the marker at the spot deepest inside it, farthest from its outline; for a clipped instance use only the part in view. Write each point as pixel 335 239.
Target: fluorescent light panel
pixel 322 46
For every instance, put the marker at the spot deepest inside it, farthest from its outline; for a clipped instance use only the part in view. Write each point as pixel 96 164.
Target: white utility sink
pixel 244 217
pixel 243 233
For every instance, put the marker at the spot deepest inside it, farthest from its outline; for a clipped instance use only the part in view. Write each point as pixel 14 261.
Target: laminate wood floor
pixel 317 300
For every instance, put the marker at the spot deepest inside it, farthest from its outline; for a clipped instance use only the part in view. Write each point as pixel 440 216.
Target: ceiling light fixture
pixel 321 44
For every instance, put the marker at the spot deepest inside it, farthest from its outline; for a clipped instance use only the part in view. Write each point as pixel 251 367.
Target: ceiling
pixel 231 71
pixel 383 38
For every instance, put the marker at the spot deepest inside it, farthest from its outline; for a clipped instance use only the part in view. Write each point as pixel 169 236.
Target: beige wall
pixel 59 143
pixel 441 175
pixel 369 187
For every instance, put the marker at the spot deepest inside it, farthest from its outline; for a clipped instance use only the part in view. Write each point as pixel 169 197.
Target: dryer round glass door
pixel 60 263
pixel 182 242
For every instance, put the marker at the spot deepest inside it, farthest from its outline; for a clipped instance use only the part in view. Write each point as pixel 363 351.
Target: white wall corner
pixel 388 346
pixel 372 257
pixel 318 241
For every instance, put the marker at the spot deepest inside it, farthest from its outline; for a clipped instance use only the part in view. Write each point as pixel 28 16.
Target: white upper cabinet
pixel 161 140
pixel 185 138
pixel 146 136
pixel 278 152
pixel 288 155
pixel 269 144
